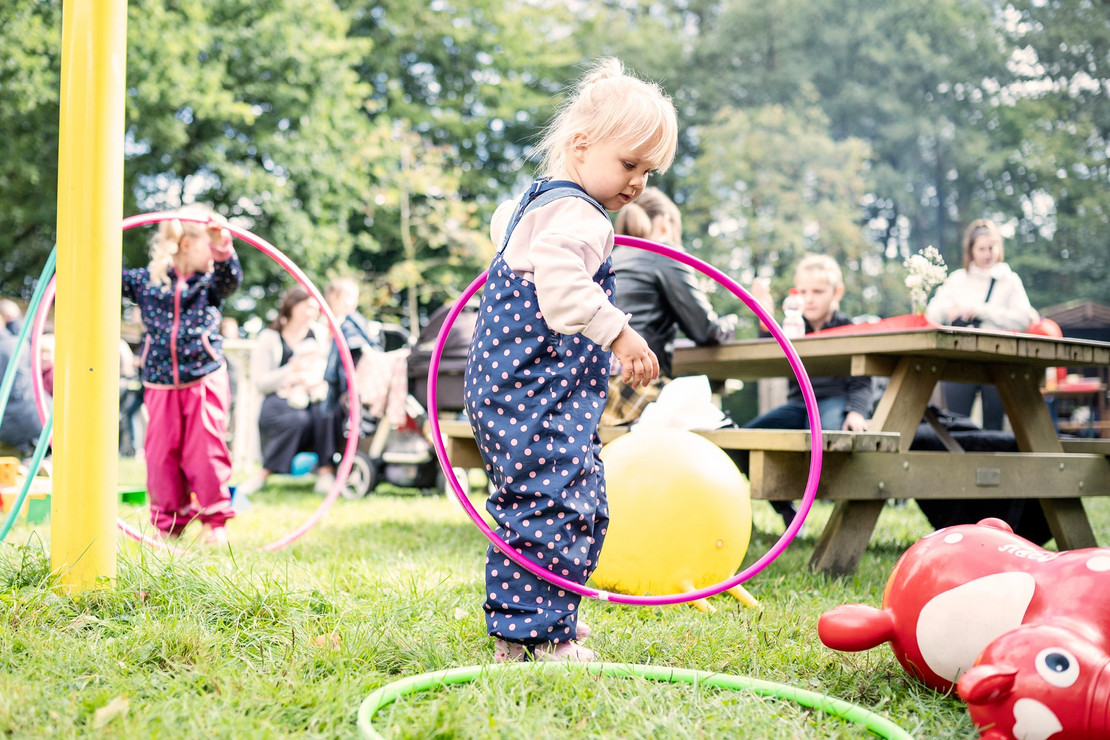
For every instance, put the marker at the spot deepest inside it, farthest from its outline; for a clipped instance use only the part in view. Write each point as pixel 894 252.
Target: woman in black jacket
pixel 663 297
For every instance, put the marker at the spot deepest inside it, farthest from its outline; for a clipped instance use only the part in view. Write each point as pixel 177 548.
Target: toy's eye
pixel 1057 666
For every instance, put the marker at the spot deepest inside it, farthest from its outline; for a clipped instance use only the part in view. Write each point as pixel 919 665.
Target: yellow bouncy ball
pixel 680 516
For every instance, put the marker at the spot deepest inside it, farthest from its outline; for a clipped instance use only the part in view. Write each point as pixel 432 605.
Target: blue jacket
pixel 183 342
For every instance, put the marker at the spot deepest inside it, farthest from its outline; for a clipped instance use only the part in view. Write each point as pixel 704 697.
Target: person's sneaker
pixel 324 482
pixel 548 652
pixel 214 536
pixel 251 485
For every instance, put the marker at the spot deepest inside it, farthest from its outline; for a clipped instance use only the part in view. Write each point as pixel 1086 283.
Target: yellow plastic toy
pixel 680 516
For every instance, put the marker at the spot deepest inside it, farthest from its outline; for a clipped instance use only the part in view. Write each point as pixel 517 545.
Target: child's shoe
pixel 563 652
pixel 549 652
pixel 213 536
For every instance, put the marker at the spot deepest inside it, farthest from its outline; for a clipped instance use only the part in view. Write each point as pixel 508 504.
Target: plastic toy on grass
pixel 673 527
pixel 977 594
pixel 1038 682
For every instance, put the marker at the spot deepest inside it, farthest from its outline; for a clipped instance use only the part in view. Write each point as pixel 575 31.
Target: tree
pixel 257 109
pixel 1054 130
pixel 909 79
pixel 423 242
pixel 474 77
pixel 30 34
pixel 770 186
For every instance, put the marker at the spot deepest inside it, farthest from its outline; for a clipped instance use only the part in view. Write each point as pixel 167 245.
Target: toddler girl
pixel 193 269
pixel 537 370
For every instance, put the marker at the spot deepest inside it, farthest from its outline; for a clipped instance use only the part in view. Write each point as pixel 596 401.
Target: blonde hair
pixel 824 264
pixel 166 242
pixel 607 103
pixel 977 228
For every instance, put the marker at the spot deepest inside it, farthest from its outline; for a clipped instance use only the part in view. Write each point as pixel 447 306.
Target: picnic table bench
pixel 775 455
pixel 779 465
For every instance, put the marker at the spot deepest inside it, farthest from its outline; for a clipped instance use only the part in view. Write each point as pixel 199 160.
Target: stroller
pixel 400 452
pixel 393 437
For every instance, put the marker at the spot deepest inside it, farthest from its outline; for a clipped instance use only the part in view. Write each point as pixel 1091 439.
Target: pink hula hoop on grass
pixel 537 570
pixel 344 469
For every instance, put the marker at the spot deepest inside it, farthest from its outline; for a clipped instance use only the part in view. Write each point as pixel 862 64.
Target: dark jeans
pixel 959 397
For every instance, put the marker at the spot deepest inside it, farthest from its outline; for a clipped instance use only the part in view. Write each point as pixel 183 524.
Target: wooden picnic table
pixel 1057 472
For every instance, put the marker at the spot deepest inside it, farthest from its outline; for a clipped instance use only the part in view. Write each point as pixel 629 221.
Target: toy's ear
pixel 996 523
pixel 855 627
pixel 983 684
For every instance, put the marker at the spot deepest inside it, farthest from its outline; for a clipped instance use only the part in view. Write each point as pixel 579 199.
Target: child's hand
pixel 639 365
pixel 220 237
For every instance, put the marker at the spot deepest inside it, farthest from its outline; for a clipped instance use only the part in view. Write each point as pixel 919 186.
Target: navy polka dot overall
pixel 534 397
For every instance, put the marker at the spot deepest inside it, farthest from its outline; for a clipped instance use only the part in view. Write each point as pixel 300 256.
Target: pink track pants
pixel 186 453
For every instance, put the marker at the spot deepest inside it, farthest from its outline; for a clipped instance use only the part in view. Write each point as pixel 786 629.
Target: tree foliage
pixel 255 108
pixel 772 185
pixel 30 34
pixel 376 139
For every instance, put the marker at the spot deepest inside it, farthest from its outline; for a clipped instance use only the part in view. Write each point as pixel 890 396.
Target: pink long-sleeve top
pixel 559 247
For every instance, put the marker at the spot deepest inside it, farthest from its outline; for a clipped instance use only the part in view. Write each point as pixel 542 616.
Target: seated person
pixel 844 402
pixel 662 295
pixel 361 335
pixel 986 293
pixel 20 426
pixel 287 366
pixel 130 401
pixel 1024 515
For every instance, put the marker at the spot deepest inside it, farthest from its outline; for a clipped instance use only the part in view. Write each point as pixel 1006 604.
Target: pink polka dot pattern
pixel 534 398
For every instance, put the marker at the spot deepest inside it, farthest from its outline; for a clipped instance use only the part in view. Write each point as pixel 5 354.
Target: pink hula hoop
pixel 795 365
pixel 344 469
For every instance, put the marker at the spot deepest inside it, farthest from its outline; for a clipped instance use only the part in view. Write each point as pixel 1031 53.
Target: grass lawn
pixel 253 644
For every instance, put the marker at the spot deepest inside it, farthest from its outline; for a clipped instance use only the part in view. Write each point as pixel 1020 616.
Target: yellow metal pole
pixel 90 208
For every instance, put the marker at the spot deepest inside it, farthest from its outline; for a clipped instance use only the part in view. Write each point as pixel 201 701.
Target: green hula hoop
pixel 389 693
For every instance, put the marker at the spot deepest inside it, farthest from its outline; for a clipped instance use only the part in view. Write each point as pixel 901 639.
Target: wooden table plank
pixel 832 355
pixel 781 475
pixel 459 435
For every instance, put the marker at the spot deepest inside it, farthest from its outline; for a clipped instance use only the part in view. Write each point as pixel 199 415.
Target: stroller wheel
pixel 363 478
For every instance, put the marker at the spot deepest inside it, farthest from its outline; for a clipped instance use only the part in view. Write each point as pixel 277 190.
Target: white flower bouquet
pixel 925 271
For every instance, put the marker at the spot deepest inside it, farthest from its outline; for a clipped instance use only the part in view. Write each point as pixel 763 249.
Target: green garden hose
pixel 877 725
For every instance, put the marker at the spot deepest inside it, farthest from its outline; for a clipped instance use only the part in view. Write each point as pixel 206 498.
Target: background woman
pixel 987 294
pixel 287 365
